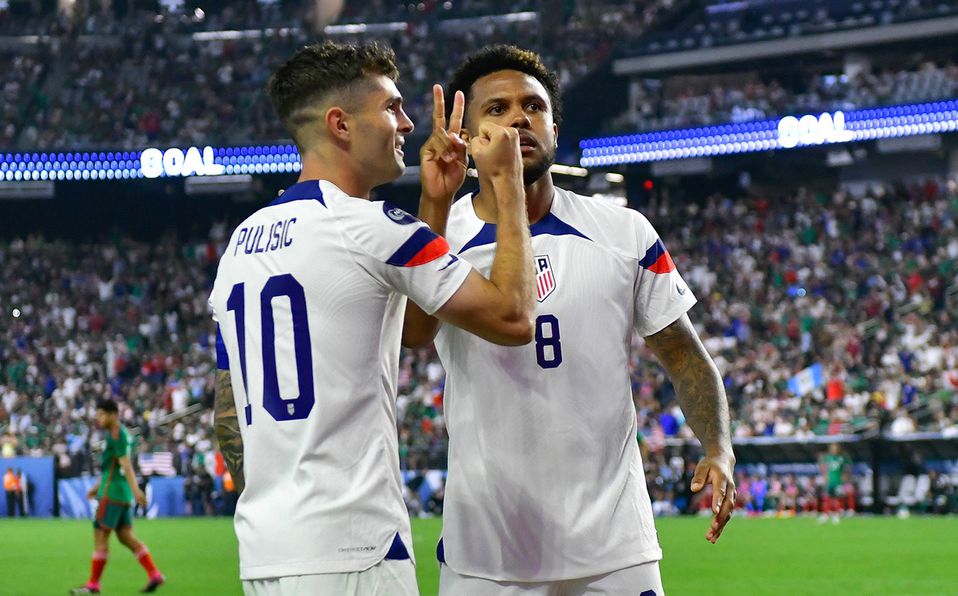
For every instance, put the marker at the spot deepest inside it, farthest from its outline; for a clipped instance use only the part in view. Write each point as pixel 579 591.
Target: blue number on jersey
pixel 552 340
pixel 237 302
pixel 280 409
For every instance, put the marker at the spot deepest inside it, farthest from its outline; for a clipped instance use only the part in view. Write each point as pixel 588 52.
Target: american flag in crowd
pixel 160 462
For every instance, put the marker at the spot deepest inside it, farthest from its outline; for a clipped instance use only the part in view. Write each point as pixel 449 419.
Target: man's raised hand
pixel 443 156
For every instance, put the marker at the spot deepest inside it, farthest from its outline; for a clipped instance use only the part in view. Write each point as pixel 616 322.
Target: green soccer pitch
pixel 861 555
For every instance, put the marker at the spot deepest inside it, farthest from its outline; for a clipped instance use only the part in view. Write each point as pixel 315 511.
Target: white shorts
pixel 640 580
pixel 386 578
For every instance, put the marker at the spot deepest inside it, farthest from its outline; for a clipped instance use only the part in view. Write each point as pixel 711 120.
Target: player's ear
pixel 337 123
pixel 555 134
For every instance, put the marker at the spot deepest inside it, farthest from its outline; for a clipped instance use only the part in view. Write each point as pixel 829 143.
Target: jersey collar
pixel 550 224
pixel 306 190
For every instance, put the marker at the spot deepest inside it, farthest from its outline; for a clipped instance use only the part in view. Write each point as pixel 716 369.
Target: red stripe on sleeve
pixel 432 251
pixel 663 264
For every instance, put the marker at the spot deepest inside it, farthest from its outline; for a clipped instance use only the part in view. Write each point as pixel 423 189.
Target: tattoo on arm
pixel 227 428
pixel 698 384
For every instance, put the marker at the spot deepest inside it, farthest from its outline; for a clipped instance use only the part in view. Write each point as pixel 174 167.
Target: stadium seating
pixel 656 106
pixel 168 82
pixel 725 22
pixel 20 78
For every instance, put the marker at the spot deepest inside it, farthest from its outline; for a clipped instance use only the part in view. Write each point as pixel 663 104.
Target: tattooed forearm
pixel 698 384
pixel 227 428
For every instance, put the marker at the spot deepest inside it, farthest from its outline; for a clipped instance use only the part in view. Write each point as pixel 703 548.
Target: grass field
pixel 874 556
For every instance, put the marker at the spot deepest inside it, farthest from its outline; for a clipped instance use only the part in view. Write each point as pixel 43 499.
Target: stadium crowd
pixel 863 286
pixel 699 101
pixel 20 75
pixel 152 77
pixel 728 22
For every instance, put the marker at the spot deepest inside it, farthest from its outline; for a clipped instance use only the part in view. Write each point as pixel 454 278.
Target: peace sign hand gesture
pixel 442 158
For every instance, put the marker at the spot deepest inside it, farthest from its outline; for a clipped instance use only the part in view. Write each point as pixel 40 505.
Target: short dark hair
pixel 506 57
pixel 107 405
pixel 318 70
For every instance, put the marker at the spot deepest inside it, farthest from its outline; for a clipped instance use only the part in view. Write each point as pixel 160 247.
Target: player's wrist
pixel 441 200
pixel 507 190
pixel 721 452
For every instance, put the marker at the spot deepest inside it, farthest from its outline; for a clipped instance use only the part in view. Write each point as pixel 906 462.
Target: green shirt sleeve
pixel 123 446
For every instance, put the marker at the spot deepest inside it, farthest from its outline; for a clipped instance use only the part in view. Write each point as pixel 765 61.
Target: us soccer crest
pixel 545 278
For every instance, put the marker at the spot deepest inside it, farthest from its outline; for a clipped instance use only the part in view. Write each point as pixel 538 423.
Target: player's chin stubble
pixel 535 171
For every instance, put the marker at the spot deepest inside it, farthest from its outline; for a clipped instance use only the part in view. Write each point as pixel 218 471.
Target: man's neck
pixel 341 172
pixel 539 197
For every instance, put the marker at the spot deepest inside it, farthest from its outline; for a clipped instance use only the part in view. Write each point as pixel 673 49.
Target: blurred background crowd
pixel 855 284
pixel 861 281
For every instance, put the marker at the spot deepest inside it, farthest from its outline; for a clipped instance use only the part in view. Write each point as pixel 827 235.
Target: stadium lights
pixel 358 28
pixel 725 139
pixel 614 178
pixel 151 162
pixel 783 133
pixel 481 22
pixel 231 34
pixel 558 168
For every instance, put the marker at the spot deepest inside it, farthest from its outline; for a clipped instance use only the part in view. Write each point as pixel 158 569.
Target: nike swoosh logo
pixel 452 259
pixel 681 290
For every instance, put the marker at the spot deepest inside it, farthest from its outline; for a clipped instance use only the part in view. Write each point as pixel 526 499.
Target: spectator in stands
pixel 8 442
pixel 903 424
pixel 759 490
pixel 790 499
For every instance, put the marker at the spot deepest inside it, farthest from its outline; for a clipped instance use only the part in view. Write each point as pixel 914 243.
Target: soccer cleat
pixel 154 583
pixel 87 589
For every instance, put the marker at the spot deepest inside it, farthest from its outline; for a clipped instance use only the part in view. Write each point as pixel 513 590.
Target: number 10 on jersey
pixel 278 285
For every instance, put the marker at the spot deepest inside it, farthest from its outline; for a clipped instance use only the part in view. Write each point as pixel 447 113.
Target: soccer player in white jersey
pixel 546 493
pixel 309 298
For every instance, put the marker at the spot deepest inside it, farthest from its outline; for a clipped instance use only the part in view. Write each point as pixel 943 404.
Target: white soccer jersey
pixel 545 478
pixel 309 301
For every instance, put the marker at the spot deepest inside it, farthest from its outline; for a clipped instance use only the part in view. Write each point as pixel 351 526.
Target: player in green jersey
pixel 115 494
pixel 832 467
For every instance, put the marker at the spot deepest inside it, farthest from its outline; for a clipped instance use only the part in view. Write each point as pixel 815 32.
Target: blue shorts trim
pixel 397 550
